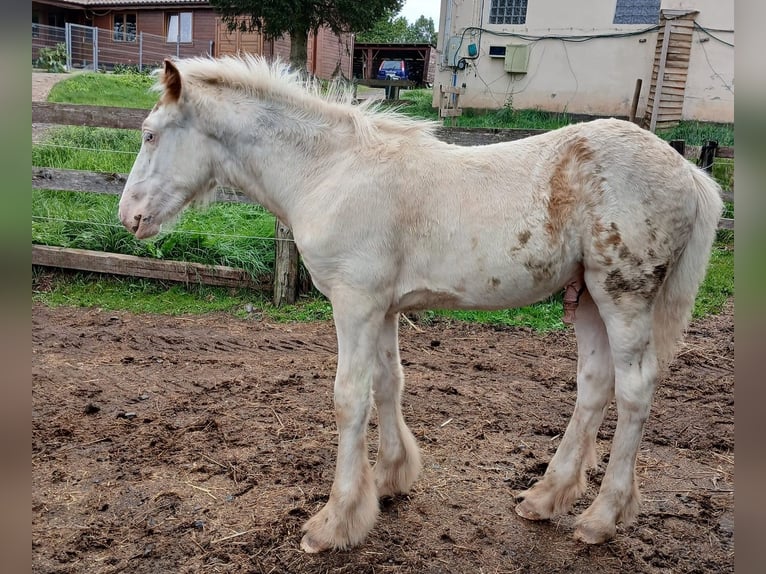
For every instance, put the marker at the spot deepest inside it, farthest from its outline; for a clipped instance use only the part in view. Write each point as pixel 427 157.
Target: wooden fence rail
pixel 113 183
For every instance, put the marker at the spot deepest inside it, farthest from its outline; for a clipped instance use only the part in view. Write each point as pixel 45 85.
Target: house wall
pixel 155 45
pixel 333 53
pixel 594 77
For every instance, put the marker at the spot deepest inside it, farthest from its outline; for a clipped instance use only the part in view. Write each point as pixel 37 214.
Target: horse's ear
pixel 172 81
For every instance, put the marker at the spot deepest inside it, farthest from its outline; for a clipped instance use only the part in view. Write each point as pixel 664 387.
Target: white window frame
pixel 186 27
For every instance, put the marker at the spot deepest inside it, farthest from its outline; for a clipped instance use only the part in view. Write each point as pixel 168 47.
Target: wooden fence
pixel 113 183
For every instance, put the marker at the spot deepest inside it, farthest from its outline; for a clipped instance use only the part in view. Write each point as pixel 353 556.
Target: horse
pixel 389 219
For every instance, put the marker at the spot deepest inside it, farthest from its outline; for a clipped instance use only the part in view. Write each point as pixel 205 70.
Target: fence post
pixel 95 48
pixel 140 51
pixel 285 266
pixel 679 146
pixel 707 155
pixel 68 42
pixel 634 103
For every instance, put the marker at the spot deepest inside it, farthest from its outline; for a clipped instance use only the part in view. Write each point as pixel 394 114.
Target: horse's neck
pixel 275 160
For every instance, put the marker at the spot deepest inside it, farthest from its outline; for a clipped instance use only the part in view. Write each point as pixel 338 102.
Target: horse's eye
pixel 148 137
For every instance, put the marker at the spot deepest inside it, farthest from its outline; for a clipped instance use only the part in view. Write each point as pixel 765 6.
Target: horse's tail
pixel 675 300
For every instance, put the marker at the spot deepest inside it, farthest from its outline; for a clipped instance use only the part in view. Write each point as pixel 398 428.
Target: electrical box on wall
pixel 456 47
pixel 517 58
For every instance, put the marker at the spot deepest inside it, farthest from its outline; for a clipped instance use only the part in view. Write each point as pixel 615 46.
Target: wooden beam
pixel 116 264
pixel 81 115
pixel 106 183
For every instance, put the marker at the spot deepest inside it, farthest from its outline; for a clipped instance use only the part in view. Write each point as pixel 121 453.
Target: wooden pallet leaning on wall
pixel 671 66
pixel 449 102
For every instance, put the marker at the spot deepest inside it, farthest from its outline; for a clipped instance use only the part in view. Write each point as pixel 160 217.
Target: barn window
pixel 637 12
pixel 508 12
pixel 124 26
pixel 179 27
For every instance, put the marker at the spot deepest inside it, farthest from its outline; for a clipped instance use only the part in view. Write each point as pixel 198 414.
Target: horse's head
pixel 175 163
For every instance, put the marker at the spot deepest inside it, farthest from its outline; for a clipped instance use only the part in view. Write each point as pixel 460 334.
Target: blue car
pixel 393 70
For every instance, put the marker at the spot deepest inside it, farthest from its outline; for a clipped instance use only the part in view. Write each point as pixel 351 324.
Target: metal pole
pixel 68 42
pixel 95 48
pixel 140 51
pixel 178 39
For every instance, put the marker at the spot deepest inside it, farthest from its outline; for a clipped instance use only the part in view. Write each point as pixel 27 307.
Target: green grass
pixel 90 149
pixel 76 289
pixel 230 234
pixel 120 90
pixel 697 133
pixel 718 285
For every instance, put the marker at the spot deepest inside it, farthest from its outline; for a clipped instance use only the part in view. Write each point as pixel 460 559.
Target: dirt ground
pixel 202 443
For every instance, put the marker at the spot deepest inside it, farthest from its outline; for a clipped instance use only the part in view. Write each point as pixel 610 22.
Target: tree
pixel 393 29
pixel 298 18
pixel 423 30
pixel 388 29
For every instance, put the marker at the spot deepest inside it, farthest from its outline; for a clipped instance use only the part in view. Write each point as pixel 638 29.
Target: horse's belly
pixel 487 295
pixel 491 287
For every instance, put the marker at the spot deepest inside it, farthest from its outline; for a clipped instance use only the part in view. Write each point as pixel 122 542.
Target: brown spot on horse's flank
pixel 541 271
pixel 645 285
pixel 495 282
pixel 614 238
pixel 570 177
pixel 524 237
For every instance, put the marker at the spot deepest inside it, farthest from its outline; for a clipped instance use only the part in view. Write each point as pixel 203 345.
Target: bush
pixel 132 69
pixel 52 59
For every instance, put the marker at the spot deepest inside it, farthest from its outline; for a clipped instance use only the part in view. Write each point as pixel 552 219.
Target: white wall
pixel 595 77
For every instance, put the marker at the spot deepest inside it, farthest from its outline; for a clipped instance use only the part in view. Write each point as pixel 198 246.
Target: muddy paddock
pixel 201 444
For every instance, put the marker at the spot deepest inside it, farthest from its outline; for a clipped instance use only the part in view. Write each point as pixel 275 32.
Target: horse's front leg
pixel 398 463
pixel 351 511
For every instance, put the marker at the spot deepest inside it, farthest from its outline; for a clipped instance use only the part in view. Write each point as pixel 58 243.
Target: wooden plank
pixel 725 223
pixel 73 180
pixel 727 196
pixel 482 136
pixel 679 44
pixel 679 84
pixel 672 90
pixel 674 98
pixel 449 113
pixel 116 264
pixel 452 89
pixel 374 83
pixel 106 183
pixel 81 115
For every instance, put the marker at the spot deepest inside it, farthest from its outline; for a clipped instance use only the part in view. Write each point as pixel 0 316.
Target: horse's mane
pixel 276 81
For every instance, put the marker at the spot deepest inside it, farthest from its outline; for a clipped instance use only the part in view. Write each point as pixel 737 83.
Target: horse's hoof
pixel 593 534
pixel 526 510
pixel 311 546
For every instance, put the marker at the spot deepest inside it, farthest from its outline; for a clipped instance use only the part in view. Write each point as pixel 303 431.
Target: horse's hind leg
pixel 565 477
pixel 629 322
pixel 352 508
pixel 398 463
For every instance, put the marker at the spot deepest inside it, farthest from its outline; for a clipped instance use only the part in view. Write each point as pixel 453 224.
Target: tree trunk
pixel 299 48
